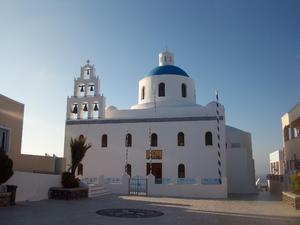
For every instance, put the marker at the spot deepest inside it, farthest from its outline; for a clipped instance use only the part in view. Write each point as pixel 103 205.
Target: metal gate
pixel 138 185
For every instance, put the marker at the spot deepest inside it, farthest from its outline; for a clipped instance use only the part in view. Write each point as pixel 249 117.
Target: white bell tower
pixel 86 102
pixel 166 58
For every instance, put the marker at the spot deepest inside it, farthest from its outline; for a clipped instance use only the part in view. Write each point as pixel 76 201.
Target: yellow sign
pixel 155 154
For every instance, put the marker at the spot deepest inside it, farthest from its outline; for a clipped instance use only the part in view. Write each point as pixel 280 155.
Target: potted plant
pixel 6 171
pixel 293 198
pixel 69 181
pixel 78 150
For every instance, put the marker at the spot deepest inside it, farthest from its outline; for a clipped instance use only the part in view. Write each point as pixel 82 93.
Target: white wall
pixel 172 91
pixel 240 163
pixel 187 190
pixel 33 186
pixel 199 160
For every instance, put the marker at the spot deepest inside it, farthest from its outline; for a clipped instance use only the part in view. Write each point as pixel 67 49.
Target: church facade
pixel 181 145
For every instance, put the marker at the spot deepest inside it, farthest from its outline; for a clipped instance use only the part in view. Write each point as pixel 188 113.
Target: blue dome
pixel 167 69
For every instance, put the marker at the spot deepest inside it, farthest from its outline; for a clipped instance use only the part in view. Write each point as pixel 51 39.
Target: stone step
pixel 97 191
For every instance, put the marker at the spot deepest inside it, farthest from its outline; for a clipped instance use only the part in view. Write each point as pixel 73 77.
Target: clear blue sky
pixel 248 50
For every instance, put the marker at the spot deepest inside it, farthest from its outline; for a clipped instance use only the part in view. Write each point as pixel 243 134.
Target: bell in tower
pixel 75 109
pixel 86 102
pixel 85 108
pixel 96 107
pixel 92 88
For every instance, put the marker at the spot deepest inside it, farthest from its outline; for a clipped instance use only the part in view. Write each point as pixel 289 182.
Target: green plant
pixel 296 182
pixel 6 168
pixel 78 150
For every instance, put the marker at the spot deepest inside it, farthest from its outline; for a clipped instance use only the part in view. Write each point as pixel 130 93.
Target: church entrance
pixel 156 171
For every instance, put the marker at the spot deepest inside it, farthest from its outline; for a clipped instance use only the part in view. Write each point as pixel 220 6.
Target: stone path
pixel 256 210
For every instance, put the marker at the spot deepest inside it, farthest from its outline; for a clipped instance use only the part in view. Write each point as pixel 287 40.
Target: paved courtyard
pixel 258 210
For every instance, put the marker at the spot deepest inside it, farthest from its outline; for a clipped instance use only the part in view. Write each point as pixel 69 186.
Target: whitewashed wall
pixel 33 186
pixel 240 163
pixel 187 190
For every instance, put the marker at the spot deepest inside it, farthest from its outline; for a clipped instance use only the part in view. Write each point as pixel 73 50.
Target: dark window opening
pixel 154 140
pixel 180 139
pixel 104 141
pixel 143 93
pixel 183 90
pixel 181 171
pixel 208 138
pixel 128 140
pixel 128 169
pixel 80 169
pixel 161 90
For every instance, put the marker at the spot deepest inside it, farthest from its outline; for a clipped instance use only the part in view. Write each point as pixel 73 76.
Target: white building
pixel 240 163
pixel 167 134
pixel 276 162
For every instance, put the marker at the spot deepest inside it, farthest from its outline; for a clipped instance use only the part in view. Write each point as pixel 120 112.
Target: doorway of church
pixel 156 171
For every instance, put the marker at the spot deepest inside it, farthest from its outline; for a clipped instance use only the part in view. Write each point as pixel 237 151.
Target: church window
pixel 208 138
pixel 154 140
pixel 161 90
pixel 180 139
pixel 181 171
pixel 128 169
pixel 143 93
pixel 128 140
pixel 80 169
pixel 104 141
pixel 4 140
pixel 183 90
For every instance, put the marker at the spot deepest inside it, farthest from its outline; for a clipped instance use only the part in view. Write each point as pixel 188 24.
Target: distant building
pixel 276 162
pixel 276 178
pixel 240 162
pixel 11 128
pixel 291 137
pixel 166 134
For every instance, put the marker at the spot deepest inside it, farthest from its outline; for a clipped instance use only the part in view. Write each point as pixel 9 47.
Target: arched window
pixel 183 90
pixel 143 93
pixel 80 169
pixel 81 136
pixel 104 141
pixel 128 140
pixel 181 171
pixel 154 140
pixel 128 169
pixel 180 139
pixel 208 138
pixel 161 90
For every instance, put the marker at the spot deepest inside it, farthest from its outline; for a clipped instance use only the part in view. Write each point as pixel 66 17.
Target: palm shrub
pixel 6 168
pixel 296 182
pixel 78 150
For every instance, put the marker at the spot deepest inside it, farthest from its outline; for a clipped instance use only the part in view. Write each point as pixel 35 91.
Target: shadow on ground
pixel 234 211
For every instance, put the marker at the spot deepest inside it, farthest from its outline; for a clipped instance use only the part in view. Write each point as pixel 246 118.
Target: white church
pixel 165 145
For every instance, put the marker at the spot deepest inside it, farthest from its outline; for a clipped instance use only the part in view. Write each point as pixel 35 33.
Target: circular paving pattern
pixel 129 213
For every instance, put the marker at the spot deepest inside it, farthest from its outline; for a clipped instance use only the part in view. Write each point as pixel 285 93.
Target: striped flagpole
pixel 126 156
pixel 150 153
pixel 218 137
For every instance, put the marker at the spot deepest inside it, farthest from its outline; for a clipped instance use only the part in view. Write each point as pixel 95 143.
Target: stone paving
pixel 244 210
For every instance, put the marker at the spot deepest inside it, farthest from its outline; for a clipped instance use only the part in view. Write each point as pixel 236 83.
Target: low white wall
pixel 33 186
pixel 116 185
pixel 187 190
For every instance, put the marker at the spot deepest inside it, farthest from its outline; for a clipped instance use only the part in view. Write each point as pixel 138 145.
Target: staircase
pixel 97 190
